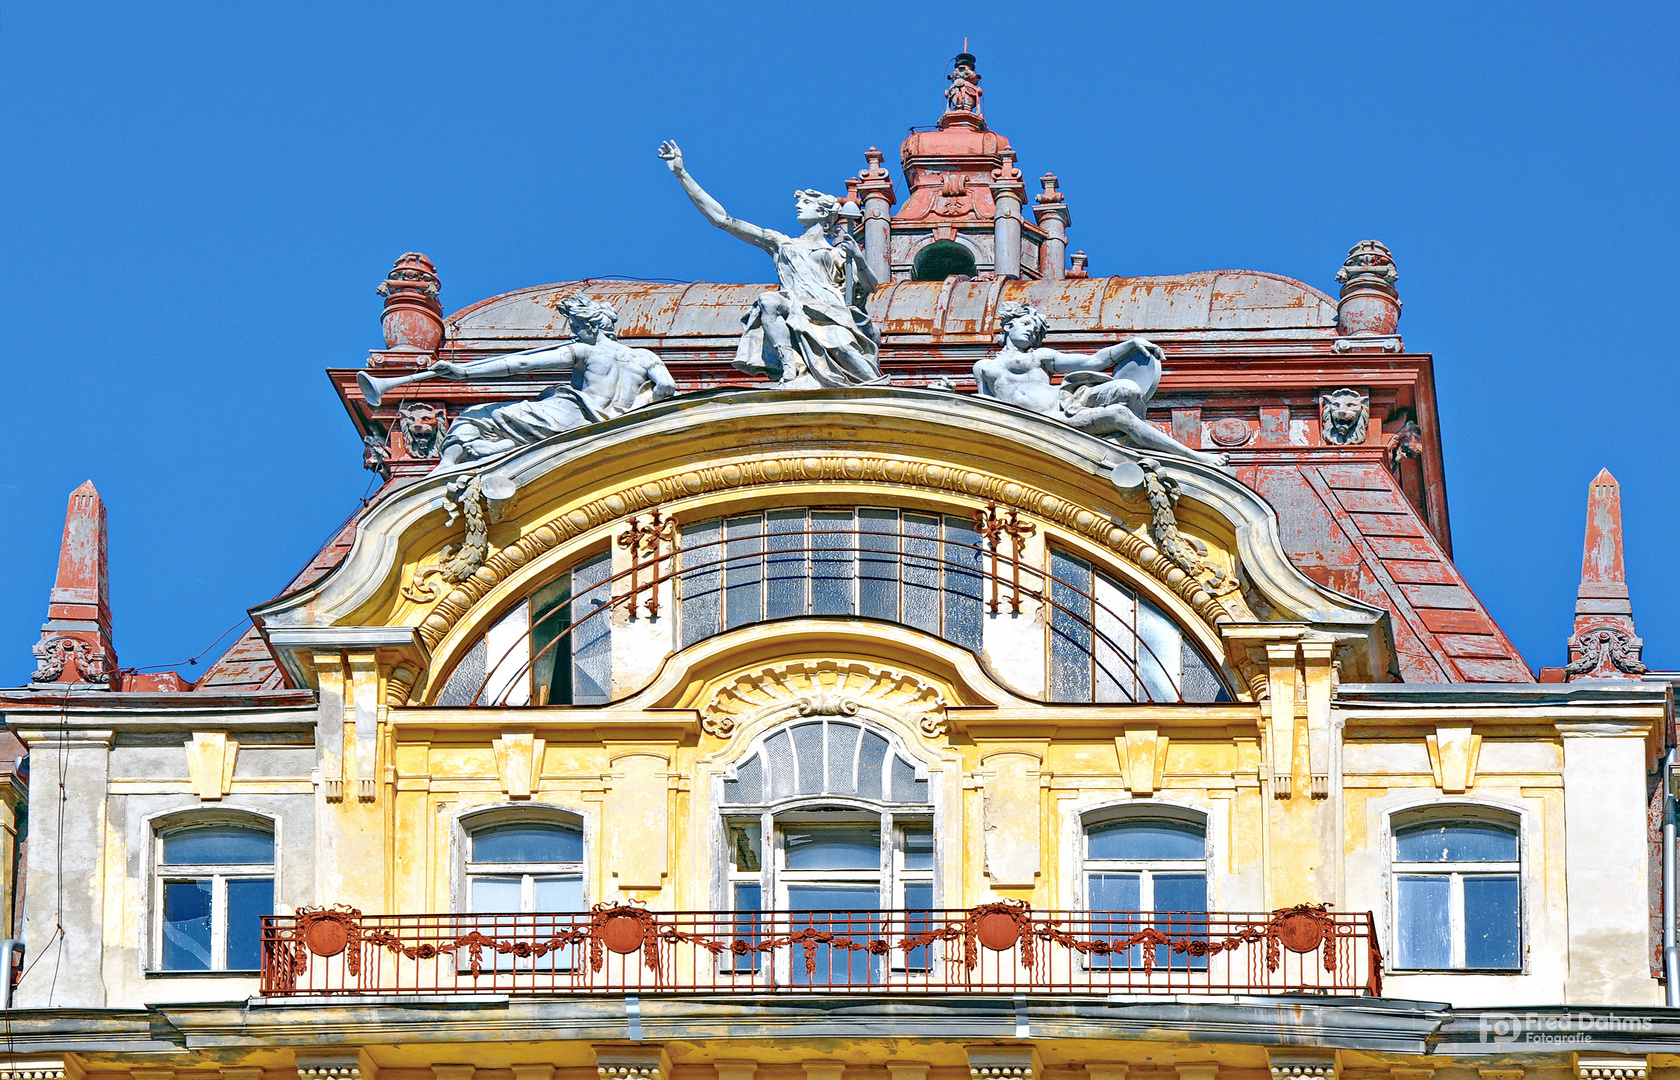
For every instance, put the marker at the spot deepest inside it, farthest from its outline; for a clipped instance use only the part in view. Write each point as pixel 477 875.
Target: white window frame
pixel 218 874
pixel 1145 868
pixel 472 870
pixel 1455 873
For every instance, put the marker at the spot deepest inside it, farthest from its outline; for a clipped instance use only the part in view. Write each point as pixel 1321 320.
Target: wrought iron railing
pixel 996 948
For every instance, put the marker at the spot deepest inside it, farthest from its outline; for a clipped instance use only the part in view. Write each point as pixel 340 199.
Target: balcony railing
pixel 997 948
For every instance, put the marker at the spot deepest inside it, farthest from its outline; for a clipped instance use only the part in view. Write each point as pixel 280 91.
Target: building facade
pixel 942 663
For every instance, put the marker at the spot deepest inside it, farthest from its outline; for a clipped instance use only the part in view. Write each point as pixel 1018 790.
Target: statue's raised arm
pixel 813 330
pixel 710 208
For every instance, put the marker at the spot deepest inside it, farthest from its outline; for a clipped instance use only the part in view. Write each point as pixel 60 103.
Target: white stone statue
pixel 607 379
pixel 1106 394
pixel 814 331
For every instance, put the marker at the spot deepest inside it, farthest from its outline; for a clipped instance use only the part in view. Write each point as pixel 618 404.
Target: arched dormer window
pixel 215 882
pixel 1457 874
pixel 827 820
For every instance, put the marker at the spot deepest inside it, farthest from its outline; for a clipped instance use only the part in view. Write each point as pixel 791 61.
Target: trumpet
pixel 374 388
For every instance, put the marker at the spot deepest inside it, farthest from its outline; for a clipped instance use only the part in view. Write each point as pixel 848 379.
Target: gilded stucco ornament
pixel 1106 394
pixel 814 331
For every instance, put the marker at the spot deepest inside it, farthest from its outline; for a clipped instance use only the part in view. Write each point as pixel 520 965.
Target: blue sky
pixel 200 198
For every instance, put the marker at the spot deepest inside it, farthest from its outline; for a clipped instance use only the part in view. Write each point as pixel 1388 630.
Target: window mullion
pixel 1455 917
pixel 218 923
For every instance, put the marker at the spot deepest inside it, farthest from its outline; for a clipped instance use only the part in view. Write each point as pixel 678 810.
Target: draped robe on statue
pixel 821 320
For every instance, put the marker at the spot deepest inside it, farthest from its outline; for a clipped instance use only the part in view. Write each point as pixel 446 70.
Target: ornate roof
pixel 1209 301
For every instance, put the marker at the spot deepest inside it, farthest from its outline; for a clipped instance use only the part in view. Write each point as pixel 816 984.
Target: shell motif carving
pixel 823 688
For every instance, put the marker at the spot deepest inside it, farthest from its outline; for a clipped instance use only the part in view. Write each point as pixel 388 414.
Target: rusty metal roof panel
pixel 1210 300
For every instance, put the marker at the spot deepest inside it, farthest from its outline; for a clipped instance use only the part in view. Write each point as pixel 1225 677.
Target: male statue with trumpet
pixel 607 379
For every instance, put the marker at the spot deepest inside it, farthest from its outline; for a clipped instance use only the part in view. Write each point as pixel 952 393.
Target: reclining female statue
pixel 1106 394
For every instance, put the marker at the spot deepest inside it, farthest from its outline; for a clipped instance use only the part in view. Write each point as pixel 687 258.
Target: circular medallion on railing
pixel 326 937
pixel 622 933
pixel 1301 931
pixel 997 931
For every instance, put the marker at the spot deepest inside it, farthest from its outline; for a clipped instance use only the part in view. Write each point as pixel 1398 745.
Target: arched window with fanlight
pixel 215 882
pixel 829 820
pixel 1146 867
pixel 1457 876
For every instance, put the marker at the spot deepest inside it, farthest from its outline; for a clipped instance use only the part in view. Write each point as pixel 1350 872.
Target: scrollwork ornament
pixel 456 562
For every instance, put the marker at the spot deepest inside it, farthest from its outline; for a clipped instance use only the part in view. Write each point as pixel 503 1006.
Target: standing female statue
pixel 813 331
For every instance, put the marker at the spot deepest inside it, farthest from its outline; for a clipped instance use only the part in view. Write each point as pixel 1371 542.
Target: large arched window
pixel 1457 890
pixel 917 569
pixel 828 821
pixel 1109 644
pixel 1146 867
pixel 942 259
pixel 215 882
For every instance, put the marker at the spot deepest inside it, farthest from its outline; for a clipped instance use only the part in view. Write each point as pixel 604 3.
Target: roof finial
pixel 75 645
pixel 1603 645
pixel 964 93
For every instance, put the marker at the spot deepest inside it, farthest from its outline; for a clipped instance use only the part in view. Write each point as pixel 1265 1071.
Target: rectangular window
pixel 1457 895
pixel 215 884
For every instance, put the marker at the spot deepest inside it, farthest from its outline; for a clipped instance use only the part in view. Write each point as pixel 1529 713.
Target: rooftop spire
pixel 1603 645
pixel 75 645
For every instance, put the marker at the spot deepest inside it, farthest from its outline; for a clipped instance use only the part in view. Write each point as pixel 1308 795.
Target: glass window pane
pixel 872 756
pixel 216 844
pixel 186 925
pixel 1492 922
pixel 834 910
pixel 1115 892
pixel 1114 644
pixel 784 572
pixel 508 646
pixel 962 584
pixel 1180 892
pixel 249 899
pixel 918 897
pixel 778 753
pixel 808 749
pixel 527 842
pixel 1070 628
pixel 905 787
pixel 1456 841
pixel 1147 838
pixel 878 563
pixel 842 758
pixel 465 680
pixel 1160 653
pixel 558 893
pixel 592 640
pixel 921 572
pixel 1422 930
pixel 551 616
pixel 1201 682
pixel 745 847
pixel 699 582
pixel 748 927
pixel 1108 894
pixel 833 562
pixel 918 847
pixel 831 847
pixel 743 571
pixel 497 893
pixel 748 785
